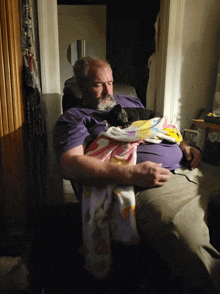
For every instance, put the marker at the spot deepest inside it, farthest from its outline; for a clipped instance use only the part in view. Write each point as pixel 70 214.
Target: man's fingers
pixel 163 178
pixel 161 181
pixel 160 175
pixel 156 165
pixel 194 163
pixel 196 154
pixel 151 174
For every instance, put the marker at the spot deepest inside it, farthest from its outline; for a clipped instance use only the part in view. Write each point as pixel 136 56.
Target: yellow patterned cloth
pixel 108 213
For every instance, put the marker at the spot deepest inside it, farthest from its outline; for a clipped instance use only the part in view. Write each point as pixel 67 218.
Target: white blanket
pixel 108 213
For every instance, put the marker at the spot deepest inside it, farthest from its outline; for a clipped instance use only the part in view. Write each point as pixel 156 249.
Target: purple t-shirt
pixel 82 125
pixel 169 154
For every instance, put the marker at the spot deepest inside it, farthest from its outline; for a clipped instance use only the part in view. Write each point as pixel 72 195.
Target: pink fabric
pixel 108 212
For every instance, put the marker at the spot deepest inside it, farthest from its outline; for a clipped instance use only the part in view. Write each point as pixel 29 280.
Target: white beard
pixel 102 106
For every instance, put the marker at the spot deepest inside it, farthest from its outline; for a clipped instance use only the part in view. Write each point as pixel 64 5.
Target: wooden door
pixel 13 183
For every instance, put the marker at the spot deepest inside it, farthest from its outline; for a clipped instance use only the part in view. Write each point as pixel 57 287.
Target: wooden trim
pixel 49 46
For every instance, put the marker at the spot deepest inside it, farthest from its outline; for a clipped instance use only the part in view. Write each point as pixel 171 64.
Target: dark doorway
pixel 130 42
pixel 130 39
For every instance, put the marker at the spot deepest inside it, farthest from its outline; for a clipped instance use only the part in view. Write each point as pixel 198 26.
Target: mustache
pixel 108 96
pixel 102 106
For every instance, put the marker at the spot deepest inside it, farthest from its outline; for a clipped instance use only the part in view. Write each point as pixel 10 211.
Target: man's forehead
pixel 98 73
pixel 98 66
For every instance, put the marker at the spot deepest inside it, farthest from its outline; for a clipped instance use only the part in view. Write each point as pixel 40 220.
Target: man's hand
pixel 150 174
pixel 193 155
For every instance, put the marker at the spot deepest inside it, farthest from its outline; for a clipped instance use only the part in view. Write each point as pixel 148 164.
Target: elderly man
pixel 171 200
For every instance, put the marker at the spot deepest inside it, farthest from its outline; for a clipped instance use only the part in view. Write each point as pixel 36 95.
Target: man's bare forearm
pixel 94 172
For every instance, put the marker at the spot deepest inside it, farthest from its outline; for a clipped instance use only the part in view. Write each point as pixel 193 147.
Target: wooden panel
pixel 8 126
pixel 14 182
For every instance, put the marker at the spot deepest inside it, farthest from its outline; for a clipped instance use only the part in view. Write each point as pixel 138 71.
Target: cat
pixel 124 117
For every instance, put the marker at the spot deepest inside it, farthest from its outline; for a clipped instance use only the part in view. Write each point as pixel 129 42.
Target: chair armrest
pixel 125 89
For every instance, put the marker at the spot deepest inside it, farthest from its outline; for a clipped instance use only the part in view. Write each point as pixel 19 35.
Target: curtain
pixel 35 114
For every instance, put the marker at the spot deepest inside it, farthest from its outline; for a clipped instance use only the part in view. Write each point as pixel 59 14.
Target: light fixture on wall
pixel 79 49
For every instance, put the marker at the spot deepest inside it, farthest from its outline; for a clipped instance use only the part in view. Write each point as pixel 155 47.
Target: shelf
pixel 208 127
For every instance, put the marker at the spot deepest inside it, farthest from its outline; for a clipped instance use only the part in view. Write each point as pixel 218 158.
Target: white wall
pixel 200 56
pixel 188 53
pixel 76 22
pixel 200 49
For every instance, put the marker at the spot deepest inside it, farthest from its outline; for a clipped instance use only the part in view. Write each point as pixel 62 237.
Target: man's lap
pixel 185 191
pixel 172 218
pixel 205 175
pixel 163 209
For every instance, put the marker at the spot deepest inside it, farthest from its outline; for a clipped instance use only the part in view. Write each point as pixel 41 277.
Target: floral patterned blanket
pixel 108 213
